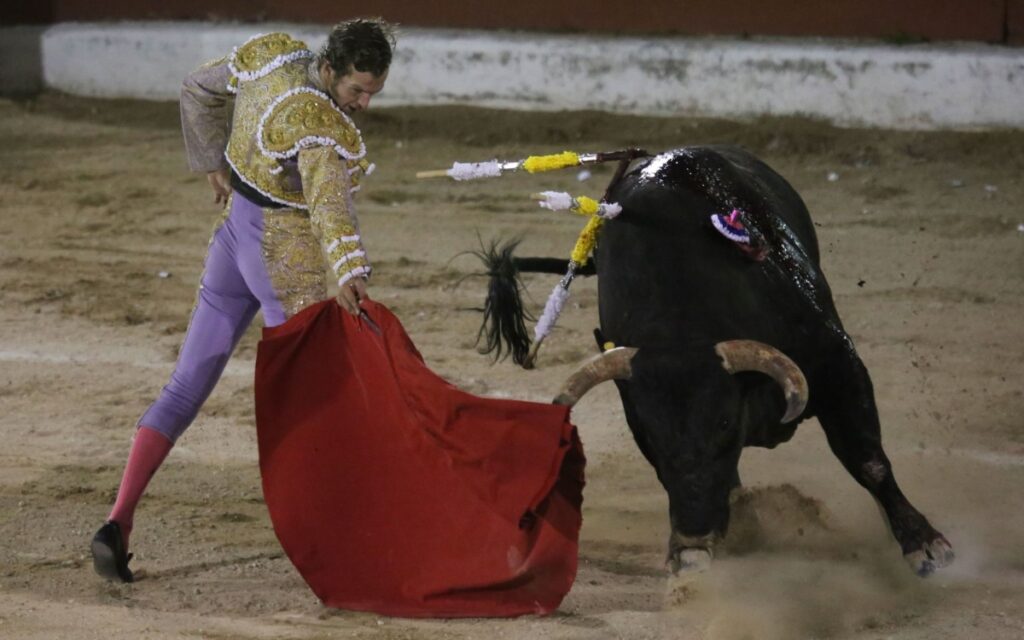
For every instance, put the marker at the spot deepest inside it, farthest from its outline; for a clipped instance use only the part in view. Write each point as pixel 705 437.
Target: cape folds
pixel 394 492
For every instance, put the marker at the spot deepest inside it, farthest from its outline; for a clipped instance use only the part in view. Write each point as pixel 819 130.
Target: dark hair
pixel 362 44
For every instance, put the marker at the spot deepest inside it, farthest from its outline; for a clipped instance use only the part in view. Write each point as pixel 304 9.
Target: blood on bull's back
pixel 666 276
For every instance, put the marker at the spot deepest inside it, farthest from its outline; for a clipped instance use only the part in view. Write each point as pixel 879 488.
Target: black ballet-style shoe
pixel 109 556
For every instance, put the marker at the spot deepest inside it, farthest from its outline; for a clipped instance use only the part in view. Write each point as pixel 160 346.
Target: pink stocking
pixel 149 448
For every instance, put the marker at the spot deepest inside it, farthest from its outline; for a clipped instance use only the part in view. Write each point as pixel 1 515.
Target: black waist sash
pixel 252 195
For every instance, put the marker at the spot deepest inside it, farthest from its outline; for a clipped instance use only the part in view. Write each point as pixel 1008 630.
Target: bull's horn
pixel 612 364
pixel 750 355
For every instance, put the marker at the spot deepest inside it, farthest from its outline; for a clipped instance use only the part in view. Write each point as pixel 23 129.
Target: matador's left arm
pixel 326 187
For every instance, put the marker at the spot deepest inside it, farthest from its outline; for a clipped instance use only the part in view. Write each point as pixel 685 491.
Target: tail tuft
pixel 503 330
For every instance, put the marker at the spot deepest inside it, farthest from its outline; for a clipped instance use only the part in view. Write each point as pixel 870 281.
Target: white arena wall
pixel 964 86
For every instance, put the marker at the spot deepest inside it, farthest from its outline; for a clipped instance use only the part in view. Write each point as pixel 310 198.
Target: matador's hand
pixel 220 180
pixel 351 294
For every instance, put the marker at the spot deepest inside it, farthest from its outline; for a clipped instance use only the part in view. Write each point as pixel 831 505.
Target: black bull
pixel 671 287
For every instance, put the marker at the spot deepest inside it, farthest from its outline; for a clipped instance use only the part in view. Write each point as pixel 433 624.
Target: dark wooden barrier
pixel 996 21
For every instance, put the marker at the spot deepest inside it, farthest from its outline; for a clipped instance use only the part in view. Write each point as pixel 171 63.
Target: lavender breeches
pixel 234 286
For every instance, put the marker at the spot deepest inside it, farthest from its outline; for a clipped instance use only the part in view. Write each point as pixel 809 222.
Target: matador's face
pixel 352 92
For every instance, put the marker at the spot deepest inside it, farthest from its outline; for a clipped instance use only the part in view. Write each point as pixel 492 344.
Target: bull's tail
pixel 503 330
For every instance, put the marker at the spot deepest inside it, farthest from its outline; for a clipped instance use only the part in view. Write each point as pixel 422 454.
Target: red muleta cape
pixel 392 491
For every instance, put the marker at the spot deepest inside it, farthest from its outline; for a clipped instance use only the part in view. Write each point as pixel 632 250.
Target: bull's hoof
pixel 689 561
pixel 931 556
pixel 689 569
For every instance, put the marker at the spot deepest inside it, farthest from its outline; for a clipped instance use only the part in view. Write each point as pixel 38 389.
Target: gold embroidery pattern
pixel 263 50
pixel 293 259
pixel 302 116
pixel 326 183
pixel 243 153
pixel 307 117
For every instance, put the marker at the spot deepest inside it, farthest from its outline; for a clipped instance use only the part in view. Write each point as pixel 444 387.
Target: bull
pixel 698 320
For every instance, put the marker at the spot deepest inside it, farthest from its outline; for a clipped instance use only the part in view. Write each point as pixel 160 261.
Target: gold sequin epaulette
pixel 262 54
pixel 305 117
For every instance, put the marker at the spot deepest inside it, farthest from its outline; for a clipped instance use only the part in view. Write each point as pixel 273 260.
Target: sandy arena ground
pixel 921 242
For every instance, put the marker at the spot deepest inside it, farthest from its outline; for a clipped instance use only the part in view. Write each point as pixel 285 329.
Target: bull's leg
pixel 683 411
pixel 845 404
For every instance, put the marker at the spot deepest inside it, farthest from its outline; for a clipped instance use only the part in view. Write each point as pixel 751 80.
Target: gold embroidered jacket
pixel 288 140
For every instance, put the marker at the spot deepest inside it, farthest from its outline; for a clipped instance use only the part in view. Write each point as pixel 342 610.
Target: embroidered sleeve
pixel 206 104
pixel 325 185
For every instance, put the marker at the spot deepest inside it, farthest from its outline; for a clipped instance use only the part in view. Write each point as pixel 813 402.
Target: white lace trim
pixel 348 256
pixel 276 170
pixel 369 169
pixel 308 141
pixel 277 62
pixel 355 188
pixel 287 203
pixel 358 271
pixel 345 239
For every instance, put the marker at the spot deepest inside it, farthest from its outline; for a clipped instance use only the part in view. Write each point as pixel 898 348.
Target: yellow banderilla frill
pixel 587 240
pixel 586 206
pixel 536 164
